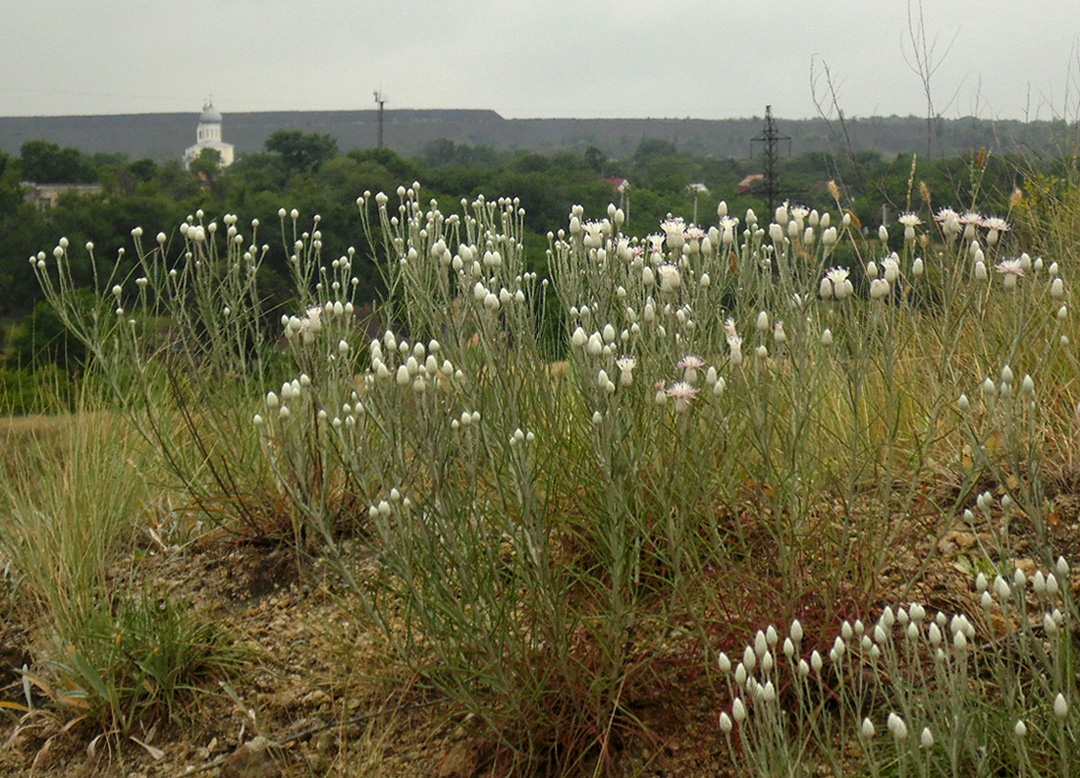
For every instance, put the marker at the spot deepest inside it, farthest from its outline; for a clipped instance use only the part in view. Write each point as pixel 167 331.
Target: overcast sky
pixel 708 59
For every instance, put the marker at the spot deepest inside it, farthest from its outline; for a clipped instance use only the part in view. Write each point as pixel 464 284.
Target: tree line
pixel 306 171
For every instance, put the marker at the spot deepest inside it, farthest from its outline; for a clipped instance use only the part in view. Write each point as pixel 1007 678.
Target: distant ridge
pixel 163 136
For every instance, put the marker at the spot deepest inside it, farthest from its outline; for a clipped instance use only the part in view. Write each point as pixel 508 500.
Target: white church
pixel 208 136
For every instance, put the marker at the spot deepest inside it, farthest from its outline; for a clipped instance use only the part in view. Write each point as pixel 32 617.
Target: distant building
pixel 208 136
pixel 46 196
pixel 746 186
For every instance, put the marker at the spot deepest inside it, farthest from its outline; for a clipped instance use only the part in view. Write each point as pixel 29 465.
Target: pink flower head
pixel 682 393
pixel 690 364
pixel 661 394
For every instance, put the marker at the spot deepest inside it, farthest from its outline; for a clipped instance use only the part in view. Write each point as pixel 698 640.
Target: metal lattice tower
pixel 380 98
pixel 771 138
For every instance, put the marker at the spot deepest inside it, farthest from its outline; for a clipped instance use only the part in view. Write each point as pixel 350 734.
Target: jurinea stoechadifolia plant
pixel 953 701
pixel 527 513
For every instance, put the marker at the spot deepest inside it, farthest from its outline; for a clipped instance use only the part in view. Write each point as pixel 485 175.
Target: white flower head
pixel 674 232
pixel 836 284
pixel 670 280
pixel 1010 269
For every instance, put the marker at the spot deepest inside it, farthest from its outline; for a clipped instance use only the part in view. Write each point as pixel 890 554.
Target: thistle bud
pixel 1061 707
pixel 927 738
pixel 897 727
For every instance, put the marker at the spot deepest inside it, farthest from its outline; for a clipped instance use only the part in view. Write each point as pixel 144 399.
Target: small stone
pixel 460 762
pixel 251 760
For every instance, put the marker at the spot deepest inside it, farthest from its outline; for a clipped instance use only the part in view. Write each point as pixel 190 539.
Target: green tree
pixel 595 159
pixel 206 168
pixel 44 162
pixel 302 152
pixel 43 339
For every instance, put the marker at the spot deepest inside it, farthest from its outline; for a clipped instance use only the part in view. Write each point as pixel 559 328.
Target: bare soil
pixel 320 697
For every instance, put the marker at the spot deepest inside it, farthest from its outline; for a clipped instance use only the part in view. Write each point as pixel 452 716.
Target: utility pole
pixel 380 98
pixel 771 138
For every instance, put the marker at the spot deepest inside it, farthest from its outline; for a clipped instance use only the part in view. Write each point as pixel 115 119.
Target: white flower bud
pixel 934 634
pixel 1061 707
pixel 927 738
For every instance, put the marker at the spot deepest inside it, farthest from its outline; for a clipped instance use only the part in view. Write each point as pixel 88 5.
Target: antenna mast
pixel 380 98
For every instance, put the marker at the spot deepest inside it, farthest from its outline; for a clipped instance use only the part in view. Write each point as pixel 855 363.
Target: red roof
pixel 747 184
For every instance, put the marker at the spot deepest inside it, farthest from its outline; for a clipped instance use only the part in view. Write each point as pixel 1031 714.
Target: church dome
pixel 209 114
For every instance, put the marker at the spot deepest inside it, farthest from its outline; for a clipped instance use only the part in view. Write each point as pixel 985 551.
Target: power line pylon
pixel 770 136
